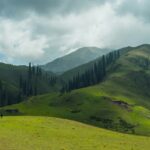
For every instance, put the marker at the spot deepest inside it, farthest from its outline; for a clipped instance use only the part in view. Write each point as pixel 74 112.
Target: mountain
pixel 84 67
pixel 120 102
pixel 74 59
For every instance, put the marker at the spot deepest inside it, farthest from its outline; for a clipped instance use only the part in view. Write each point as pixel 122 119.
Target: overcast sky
pixel 41 30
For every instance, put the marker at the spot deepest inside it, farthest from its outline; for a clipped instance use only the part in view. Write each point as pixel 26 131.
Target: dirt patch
pixel 10 111
pixel 123 105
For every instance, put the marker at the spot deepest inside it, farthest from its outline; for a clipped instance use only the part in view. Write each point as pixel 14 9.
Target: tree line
pixel 29 83
pixel 93 75
pixel 8 94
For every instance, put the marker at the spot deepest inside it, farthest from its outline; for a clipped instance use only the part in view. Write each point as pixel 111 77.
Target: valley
pixel 118 103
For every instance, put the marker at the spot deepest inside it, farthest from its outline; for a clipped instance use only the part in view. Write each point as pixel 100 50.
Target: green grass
pixel 119 103
pixel 96 105
pixel 81 105
pixel 46 133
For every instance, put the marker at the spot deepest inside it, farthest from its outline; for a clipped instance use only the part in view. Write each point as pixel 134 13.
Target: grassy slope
pixel 80 105
pixel 123 85
pixel 45 133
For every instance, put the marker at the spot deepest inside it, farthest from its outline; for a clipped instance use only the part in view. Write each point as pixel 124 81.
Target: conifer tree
pixel 94 74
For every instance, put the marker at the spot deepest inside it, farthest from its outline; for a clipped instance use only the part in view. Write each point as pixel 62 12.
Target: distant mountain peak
pixel 74 59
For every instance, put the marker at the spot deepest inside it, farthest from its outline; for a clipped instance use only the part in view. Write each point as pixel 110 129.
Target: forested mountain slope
pixel 120 102
pixel 18 82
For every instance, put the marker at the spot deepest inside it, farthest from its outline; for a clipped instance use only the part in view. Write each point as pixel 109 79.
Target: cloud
pixel 18 43
pixel 43 30
pixel 21 8
pixel 138 8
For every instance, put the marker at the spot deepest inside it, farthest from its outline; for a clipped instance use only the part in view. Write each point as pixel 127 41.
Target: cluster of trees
pixel 6 96
pixel 93 75
pixel 2 94
pixel 31 81
pixel 144 62
pixel 30 85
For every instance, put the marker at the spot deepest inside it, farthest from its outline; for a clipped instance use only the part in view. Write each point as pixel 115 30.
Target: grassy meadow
pixel 46 133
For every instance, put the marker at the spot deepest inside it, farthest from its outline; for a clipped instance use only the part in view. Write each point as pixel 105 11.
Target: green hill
pixel 45 133
pixel 120 102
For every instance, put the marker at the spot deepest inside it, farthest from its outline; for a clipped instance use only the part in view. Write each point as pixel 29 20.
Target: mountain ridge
pixel 74 59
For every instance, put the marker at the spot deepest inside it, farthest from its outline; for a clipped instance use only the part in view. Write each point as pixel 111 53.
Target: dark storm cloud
pixel 20 8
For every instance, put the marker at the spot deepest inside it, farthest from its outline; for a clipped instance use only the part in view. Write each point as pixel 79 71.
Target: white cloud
pixel 100 26
pixel 18 43
pixel 41 38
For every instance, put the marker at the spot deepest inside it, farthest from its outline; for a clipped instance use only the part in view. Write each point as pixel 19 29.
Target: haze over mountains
pixel 74 59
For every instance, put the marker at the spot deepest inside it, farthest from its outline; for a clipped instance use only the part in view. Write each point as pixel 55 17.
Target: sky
pixel 39 31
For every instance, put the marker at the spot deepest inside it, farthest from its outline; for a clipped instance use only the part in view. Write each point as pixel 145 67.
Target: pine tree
pixel 94 74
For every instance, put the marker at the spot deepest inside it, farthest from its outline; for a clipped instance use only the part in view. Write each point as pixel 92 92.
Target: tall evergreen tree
pixel 94 74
